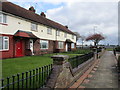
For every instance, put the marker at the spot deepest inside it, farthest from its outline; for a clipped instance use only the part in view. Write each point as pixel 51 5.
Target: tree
pixel 96 38
pixel 77 35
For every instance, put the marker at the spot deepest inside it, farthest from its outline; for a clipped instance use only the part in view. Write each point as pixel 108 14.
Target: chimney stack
pixel 32 9
pixel 43 14
pixel 66 26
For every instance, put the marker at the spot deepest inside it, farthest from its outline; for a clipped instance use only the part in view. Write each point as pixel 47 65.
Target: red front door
pixel 19 51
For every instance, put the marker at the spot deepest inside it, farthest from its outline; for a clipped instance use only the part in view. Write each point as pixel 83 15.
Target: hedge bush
pixel 119 62
pixel 117 49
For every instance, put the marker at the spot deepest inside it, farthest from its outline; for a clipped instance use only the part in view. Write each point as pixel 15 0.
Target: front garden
pixel 18 65
pixel 34 71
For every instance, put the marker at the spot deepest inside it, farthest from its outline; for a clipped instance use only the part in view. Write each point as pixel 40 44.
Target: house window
pixel 72 36
pixel 4 43
pixel 65 35
pixel 58 33
pixel 3 18
pixel 72 45
pixel 43 44
pixel 49 30
pixel 1 43
pixel 33 26
pixel 60 45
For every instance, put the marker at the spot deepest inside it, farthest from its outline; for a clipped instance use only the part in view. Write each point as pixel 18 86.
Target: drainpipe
pixel 56 39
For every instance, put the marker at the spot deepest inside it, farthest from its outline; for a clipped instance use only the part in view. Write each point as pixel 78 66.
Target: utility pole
pixel 36 6
pixel 94 28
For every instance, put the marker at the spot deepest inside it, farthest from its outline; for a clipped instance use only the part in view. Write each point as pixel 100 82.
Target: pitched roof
pixel 16 10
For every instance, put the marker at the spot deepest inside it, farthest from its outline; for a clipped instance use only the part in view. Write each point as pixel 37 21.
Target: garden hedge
pixel 117 49
pixel 119 63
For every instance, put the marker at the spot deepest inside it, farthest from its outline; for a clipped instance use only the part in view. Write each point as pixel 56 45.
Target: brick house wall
pixel 8 53
pixel 36 48
pixel 53 47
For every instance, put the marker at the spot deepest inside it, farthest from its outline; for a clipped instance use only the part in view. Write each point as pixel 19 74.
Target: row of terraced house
pixel 25 33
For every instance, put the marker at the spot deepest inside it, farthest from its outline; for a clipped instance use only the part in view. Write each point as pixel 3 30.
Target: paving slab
pixel 106 75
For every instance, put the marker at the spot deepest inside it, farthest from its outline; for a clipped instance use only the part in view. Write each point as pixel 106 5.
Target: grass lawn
pixel 18 65
pixel 109 49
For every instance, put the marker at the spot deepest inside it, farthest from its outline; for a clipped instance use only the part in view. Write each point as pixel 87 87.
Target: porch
pixel 24 43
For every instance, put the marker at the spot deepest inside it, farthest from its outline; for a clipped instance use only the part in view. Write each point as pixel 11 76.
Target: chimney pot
pixel 43 14
pixel 32 9
pixel 66 26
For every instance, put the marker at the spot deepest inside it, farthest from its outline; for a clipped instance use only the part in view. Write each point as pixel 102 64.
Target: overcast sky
pixel 81 16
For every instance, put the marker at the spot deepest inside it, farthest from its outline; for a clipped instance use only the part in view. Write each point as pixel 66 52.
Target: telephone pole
pixel 94 28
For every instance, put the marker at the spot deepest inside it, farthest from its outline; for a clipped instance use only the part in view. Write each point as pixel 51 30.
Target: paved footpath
pixel 106 74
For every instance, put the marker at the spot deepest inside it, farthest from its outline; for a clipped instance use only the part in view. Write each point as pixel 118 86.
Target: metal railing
pixel 76 61
pixel 35 78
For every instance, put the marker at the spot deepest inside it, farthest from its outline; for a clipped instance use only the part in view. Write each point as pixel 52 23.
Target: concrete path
pixel 106 74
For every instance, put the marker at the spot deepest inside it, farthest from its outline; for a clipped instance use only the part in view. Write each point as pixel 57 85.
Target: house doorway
pixel 68 47
pixel 19 48
pixel 54 46
pixel 31 46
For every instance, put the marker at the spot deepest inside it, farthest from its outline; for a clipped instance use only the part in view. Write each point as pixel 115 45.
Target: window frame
pixel 4 39
pixel 3 16
pixel 1 43
pixel 41 41
pixel 65 35
pixel 59 45
pixel 72 45
pixel 72 36
pixel 36 27
pixel 49 30
pixel 57 33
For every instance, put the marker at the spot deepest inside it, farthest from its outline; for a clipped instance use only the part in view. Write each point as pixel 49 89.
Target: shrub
pixel 117 49
pixel 119 62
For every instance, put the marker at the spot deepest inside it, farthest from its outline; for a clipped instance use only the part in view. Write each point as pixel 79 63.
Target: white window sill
pixel 3 23
pixel 43 48
pixel 4 50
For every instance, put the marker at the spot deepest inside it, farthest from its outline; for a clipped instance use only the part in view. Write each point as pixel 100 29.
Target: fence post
pixel 2 82
pixel 22 80
pixel 8 83
pixel 13 77
pixel 18 81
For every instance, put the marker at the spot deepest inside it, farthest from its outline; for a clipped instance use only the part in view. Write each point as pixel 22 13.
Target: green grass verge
pixel 109 49
pixel 18 65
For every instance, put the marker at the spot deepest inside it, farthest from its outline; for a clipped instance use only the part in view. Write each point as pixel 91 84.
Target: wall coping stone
pixel 60 57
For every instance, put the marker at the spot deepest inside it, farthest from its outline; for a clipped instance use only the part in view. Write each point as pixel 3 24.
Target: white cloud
pixel 82 16
pixel 61 1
